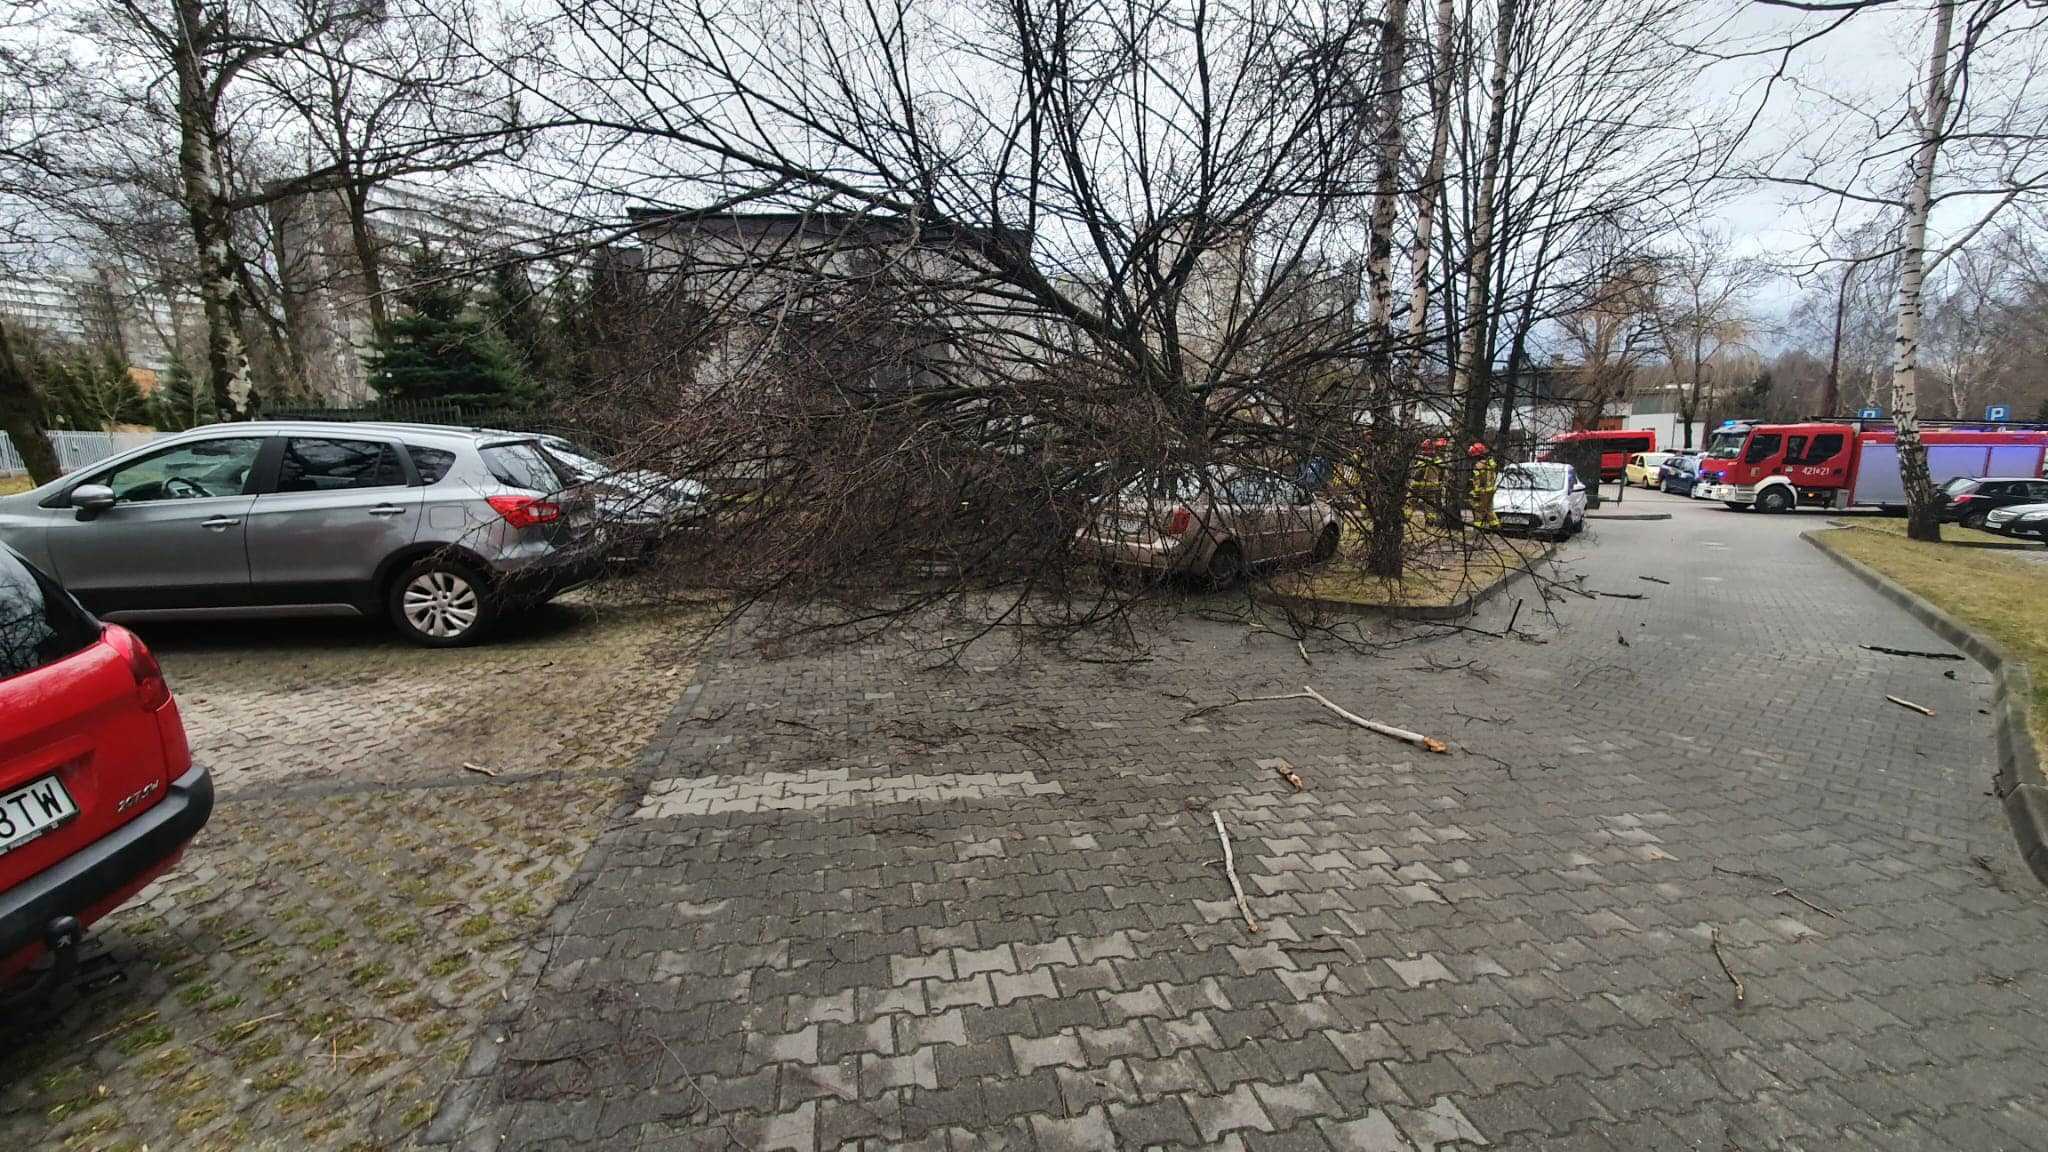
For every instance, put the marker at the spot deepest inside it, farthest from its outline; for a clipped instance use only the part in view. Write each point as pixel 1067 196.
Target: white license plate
pixel 27 813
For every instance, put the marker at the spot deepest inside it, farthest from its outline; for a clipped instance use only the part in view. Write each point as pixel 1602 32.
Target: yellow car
pixel 1642 468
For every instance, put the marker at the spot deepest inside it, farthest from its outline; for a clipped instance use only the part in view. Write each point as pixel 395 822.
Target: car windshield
pixel 1532 479
pixel 577 460
pixel 1958 485
pixel 1727 444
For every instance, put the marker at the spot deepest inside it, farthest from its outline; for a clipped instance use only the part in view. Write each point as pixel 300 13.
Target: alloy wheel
pixel 441 605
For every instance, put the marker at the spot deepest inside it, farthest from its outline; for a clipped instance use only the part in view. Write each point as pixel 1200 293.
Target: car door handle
pixel 219 522
pixel 387 510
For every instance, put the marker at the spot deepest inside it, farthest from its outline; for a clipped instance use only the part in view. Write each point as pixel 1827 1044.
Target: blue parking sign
pixel 1997 412
pixel 1870 414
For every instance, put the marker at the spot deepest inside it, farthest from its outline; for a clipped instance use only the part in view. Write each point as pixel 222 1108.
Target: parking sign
pixel 1870 414
pixel 1997 412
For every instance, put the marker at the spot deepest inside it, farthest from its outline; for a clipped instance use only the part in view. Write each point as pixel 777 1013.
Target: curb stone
pixel 1455 610
pixel 1628 515
pixel 2020 786
pixel 451 1121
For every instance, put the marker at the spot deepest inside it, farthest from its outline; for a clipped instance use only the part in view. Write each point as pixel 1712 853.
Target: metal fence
pixel 74 449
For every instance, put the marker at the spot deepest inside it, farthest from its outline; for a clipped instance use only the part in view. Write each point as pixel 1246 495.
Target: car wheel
pixel 442 603
pixel 1974 520
pixel 1773 500
pixel 1226 566
pixel 1326 544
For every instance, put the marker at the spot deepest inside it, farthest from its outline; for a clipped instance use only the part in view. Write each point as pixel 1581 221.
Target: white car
pixel 1546 499
pixel 2019 520
pixel 634 497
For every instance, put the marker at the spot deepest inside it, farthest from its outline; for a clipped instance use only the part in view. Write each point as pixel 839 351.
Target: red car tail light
pixel 151 689
pixel 1177 522
pixel 525 511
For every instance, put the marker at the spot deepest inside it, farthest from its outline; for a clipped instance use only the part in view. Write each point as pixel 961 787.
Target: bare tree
pixel 408 94
pixel 193 59
pixel 1701 312
pixel 32 139
pixel 1971 135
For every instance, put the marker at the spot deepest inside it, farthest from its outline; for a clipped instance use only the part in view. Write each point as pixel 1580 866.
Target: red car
pixel 98 794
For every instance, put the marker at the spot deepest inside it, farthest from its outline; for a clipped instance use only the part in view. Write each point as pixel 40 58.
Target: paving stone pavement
pixel 1510 946
pixel 312 975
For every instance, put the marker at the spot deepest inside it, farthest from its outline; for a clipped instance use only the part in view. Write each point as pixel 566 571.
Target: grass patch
pixel 1442 568
pixel 1994 591
pixel 9 485
pixel 1950 534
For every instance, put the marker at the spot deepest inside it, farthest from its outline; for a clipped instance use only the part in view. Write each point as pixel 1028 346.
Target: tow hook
pixel 63 935
pixel 61 938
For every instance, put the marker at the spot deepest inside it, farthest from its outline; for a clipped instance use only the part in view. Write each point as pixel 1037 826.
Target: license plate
pixel 27 813
pixel 1516 518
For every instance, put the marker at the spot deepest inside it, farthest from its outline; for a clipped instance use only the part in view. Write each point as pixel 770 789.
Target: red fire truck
pixel 1778 467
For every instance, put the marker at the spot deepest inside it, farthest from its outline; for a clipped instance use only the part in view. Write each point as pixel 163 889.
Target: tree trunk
pixel 1831 391
pixel 227 359
pixel 1923 515
pixel 1432 182
pixel 21 416
pixel 368 258
pixel 1388 498
pixel 1517 353
pixel 1472 373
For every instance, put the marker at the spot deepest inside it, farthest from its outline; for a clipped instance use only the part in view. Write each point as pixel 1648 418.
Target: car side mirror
pixel 91 500
pixel 1578 487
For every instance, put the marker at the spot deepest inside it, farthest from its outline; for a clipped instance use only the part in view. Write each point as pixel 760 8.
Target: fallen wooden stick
pixel 1205 709
pixel 1622 595
pixel 1653 580
pixel 1303 649
pixel 1909 652
pixel 1714 939
pixel 1415 738
pixel 123 1026
pixel 1230 869
pixel 1789 894
pixel 479 769
pixel 1922 709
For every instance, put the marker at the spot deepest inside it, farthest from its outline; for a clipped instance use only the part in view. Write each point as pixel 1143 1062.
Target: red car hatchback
pixel 98 795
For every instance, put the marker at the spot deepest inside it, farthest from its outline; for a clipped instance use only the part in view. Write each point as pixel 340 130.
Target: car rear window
pixel 39 622
pixel 522 465
pixel 431 463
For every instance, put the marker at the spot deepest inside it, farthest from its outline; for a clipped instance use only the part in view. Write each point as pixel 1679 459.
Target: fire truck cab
pixel 1778 467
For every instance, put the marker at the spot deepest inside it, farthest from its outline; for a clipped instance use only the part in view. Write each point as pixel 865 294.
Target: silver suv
pixel 442 529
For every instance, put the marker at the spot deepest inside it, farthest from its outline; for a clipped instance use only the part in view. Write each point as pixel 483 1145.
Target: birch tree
pixel 194 58
pixel 1959 146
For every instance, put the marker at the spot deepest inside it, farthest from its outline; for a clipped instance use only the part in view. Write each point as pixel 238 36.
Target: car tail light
pixel 151 689
pixel 1177 521
pixel 525 511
